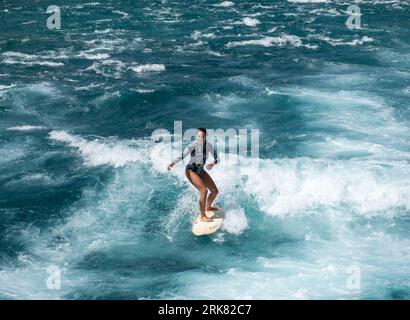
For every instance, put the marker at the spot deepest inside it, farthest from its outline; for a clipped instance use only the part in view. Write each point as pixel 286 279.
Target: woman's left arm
pixel 212 150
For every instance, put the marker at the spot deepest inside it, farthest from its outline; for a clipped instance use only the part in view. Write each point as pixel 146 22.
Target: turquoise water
pixel 83 187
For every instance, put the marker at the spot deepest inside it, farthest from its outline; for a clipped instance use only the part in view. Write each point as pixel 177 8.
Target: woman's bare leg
pixel 196 180
pixel 210 184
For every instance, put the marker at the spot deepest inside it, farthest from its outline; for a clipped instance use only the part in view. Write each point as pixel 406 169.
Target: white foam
pixel 108 68
pixel 250 22
pixel 215 53
pixel 101 152
pixel 43 88
pixel 26 128
pixel 3 87
pixel 224 4
pixel 235 221
pixel 97 56
pixel 296 185
pixel 340 42
pixel 108 30
pixel 34 63
pixel 143 90
pixel 19 55
pixel 234 284
pixel 148 68
pixel 280 41
pixel 81 6
pixel 28 59
pixel 198 34
pixel 124 14
pixel 326 12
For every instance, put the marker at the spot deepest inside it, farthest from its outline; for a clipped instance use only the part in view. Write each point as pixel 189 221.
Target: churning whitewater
pixel 322 213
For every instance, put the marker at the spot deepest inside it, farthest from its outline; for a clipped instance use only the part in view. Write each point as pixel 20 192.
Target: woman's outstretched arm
pixel 187 151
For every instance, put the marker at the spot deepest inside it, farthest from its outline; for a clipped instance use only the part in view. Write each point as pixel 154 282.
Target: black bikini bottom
pixel 197 168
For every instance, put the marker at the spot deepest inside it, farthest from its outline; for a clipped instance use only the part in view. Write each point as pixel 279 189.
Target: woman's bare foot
pixel 211 209
pixel 206 219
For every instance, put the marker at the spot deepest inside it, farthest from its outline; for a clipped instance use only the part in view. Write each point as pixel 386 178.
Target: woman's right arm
pixel 187 151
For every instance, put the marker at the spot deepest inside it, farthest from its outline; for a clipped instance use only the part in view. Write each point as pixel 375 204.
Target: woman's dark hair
pixel 203 130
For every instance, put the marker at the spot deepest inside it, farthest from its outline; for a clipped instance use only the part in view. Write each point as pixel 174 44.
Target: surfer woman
pixel 196 173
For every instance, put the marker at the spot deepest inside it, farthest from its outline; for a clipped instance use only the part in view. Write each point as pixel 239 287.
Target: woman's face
pixel 200 136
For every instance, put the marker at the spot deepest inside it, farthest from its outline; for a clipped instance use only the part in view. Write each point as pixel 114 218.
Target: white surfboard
pixel 200 228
